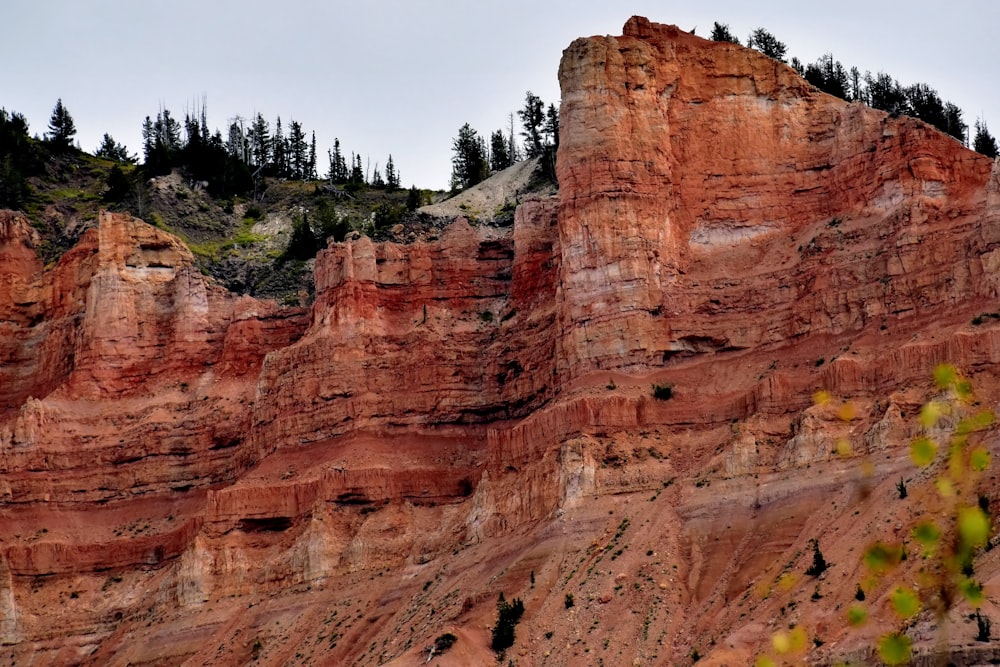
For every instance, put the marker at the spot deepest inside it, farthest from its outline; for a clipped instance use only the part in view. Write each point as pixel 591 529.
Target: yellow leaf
pixel 923 451
pixel 977 422
pixel 787 581
pixel 956 458
pixel 945 375
pixel 963 388
pixel 799 639
pixel 927 534
pixel 793 641
pixel 973 526
pixel 931 413
pixel 765 661
pixel 881 557
pixel 894 649
pixel 979 459
pixel 983 419
pixel 821 397
pixel 972 590
pixel 846 412
pixel 905 602
pixel 844 447
pixel 945 488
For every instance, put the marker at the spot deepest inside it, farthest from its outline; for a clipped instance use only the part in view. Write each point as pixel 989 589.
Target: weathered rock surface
pixel 192 477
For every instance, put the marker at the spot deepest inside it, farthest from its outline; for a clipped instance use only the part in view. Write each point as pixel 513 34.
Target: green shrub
pixel 302 244
pixel 983 625
pixel 982 317
pixel 819 563
pixel 663 392
pixel 508 615
pixel 444 642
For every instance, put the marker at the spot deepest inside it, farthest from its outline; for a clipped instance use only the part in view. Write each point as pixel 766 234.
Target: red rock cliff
pixel 680 156
pixel 190 476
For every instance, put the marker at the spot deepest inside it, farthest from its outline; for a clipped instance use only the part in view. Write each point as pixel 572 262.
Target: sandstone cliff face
pixel 682 156
pixel 126 375
pixel 191 476
pixel 479 310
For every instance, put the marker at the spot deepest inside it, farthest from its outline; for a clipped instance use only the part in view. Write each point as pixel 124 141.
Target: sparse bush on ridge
pixel 819 564
pixel 508 616
pixel 663 392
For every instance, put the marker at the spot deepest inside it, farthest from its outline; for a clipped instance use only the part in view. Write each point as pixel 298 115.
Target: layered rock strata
pixel 191 476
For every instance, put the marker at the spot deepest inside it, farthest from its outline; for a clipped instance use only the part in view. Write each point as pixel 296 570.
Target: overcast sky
pixel 401 76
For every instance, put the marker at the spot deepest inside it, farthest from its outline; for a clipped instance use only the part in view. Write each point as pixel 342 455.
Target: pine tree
pixel 376 180
pixel 767 44
pixel 925 104
pixel 330 224
pixel 984 142
pixel 62 129
pixel 391 175
pixel 720 33
pixel 203 122
pixel 161 142
pixel 857 90
pixel 260 142
pixel 413 199
pixel 303 244
pixel 112 150
pixel 297 151
pixel 148 139
pixel 885 93
pixel 118 185
pixel 356 179
pixel 499 155
pixel 829 76
pixel 469 164
pixel 508 615
pixel 551 129
pixel 532 116
pixel 311 163
pixel 168 130
pixel 338 166
pixel 237 143
pixel 954 125
pixel 279 157
pixel 19 159
pixel 512 148
pixel 819 564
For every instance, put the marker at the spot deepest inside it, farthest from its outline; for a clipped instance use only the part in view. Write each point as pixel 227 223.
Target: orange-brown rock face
pixel 456 331
pixel 125 377
pixel 192 477
pixel 683 156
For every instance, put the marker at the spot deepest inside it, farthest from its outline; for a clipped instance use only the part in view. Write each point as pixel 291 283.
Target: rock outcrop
pixel 193 476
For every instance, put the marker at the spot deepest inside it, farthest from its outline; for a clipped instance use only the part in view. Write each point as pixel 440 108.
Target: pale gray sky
pixel 401 76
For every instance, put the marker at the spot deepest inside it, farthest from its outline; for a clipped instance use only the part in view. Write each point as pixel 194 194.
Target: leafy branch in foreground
pixel 951 528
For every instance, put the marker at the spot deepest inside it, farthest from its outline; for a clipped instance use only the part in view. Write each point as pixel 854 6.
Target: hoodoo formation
pixel 189 476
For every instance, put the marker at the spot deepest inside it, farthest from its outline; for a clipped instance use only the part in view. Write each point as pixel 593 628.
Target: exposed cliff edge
pixel 194 476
